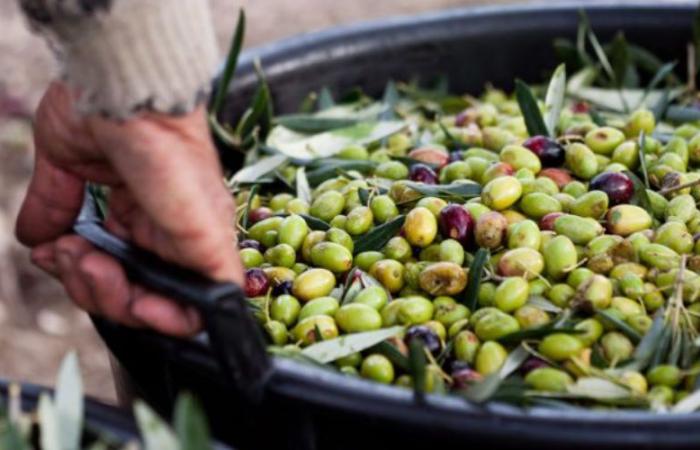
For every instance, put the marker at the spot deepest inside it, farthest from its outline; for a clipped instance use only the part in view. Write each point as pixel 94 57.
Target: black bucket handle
pixel 234 336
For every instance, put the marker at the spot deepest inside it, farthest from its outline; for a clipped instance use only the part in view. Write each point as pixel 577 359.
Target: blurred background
pixel 38 324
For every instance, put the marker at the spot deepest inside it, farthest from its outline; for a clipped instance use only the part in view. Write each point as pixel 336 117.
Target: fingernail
pixel 46 264
pixel 193 319
pixel 65 261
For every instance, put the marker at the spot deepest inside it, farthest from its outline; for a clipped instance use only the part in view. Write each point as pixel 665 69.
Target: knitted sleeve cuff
pixel 126 56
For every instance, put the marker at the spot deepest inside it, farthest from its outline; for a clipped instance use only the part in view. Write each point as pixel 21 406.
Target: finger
pixel 51 205
pixel 164 315
pixel 109 288
pixel 69 251
pixel 44 257
pixel 154 182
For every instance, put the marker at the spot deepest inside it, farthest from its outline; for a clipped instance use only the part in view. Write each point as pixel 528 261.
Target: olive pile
pixel 583 261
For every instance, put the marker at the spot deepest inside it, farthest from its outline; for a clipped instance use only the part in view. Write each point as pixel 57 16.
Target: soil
pixel 38 324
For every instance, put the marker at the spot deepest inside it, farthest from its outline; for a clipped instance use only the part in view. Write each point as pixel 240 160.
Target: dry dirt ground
pixel 38 325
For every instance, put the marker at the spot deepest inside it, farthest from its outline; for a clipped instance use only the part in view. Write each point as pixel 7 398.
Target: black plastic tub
pixel 308 407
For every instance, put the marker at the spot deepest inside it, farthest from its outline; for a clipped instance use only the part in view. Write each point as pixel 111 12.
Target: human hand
pixel 166 196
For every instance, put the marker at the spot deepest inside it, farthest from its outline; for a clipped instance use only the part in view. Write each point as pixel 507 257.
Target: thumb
pixel 51 205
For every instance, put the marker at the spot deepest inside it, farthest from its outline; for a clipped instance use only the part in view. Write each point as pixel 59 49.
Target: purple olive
pixel 617 185
pixel 456 223
pixel 547 222
pixel 283 288
pixel 463 378
pixel 423 174
pixel 429 338
pixel 256 282
pixel 457 155
pixel 550 152
pixel 531 364
pixel 258 214
pixel 251 243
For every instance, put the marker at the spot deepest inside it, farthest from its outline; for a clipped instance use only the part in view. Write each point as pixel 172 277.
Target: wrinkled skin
pixel 165 196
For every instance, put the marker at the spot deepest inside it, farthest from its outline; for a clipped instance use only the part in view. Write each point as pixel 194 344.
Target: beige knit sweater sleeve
pixel 125 56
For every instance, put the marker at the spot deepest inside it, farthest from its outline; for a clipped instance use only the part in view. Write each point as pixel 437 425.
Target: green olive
pixel 357 317
pixel 549 379
pixel 524 234
pixel 604 140
pixel 312 284
pixel 415 310
pixel 466 345
pixel 331 256
pixel 490 230
pixel 521 262
pixel 292 231
pixel 511 294
pixel 374 296
pixel 420 227
pixel 490 357
pixel 285 309
pixel 501 193
pixel 327 205
pixel 319 306
pixel 496 325
pixel 443 278
pixel 378 368
pixel 560 346
pixel 305 331
pixel 383 208
pixel 389 273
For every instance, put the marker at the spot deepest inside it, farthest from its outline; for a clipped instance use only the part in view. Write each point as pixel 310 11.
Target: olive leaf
pixel 689 404
pixel 616 99
pixel 332 167
pixel 659 76
pixel 530 110
pixel 156 434
pixel 332 118
pixel 340 347
pixel 11 437
pixel 310 123
pixel 554 100
pixel 640 196
pixel 252 174
pixel 305 147
pixel 682 114
pixel 485 389
pixel 595 388
pixel 69 403
pixel 417 363
pixel 536 333
pixel 303 188
pixel 325 99
pixel 471 293
pixel 230 66
pixel 50 438
pixel 246 212
pixel 191 424
pixel 621 325
pixel 410 162
pixel 259 113
pixel 454 191
pixel 649 343
pixel 395 356
pixel 543 304
pixel 379 236
pixel 313 222
pixel 364 196
pixel 389 100
pixel 595 43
